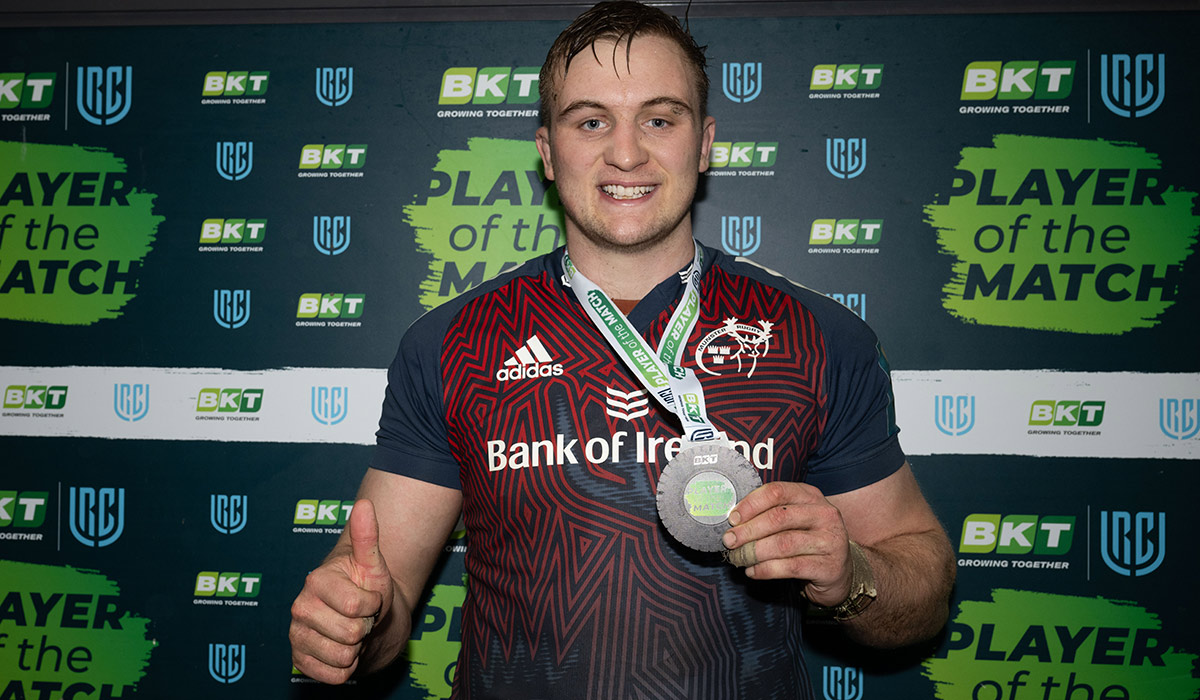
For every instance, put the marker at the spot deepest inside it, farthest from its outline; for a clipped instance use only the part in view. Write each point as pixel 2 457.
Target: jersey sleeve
pixel 412 439
pixel 860 441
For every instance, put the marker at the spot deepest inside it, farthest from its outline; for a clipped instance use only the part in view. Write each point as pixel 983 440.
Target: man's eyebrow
pixel 675 104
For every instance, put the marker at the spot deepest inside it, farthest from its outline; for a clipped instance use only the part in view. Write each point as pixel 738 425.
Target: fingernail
pixel 734 517
pixel 729 539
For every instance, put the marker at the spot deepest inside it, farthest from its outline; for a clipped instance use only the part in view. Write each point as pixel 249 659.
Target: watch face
pixel 699 488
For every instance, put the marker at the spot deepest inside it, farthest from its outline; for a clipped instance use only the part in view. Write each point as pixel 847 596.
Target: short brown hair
pixel 618 20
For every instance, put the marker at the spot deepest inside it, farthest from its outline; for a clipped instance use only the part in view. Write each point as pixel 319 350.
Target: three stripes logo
pixel 530 361
pixel 635 404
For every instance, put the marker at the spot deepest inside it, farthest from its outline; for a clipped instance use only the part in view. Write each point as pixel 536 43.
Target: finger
pixel 347 625
pixel 783 518
pixel 770 495
pixel 363 529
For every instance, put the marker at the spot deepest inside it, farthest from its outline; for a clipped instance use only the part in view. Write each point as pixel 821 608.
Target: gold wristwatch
pixel 862 590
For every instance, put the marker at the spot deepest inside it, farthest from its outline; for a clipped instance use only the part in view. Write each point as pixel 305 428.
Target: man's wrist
pixel 861 594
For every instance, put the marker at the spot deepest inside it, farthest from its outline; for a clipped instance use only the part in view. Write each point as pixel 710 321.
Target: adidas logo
pixel 530 361
pixel 627 406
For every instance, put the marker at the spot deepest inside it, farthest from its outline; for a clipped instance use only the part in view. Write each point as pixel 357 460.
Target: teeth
pixel 622 192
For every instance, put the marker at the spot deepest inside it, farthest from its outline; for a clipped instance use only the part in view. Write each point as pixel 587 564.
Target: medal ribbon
pixel 662 372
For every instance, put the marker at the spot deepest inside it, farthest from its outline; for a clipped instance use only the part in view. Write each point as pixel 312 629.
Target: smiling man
pixel 595 414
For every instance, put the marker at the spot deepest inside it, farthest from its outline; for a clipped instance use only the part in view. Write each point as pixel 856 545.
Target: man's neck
pixel 631 276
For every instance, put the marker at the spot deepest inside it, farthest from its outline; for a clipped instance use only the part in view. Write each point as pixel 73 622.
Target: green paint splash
pixel 100 642
pixel 486 210
pixel 68 256
pixel 1060 641
pixel 1100 284
pixel 433 648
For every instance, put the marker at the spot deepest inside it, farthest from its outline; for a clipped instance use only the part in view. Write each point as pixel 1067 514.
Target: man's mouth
pixel 623 192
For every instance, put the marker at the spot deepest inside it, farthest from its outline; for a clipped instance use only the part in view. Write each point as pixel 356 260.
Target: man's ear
pixel 542 139
pixel 707 135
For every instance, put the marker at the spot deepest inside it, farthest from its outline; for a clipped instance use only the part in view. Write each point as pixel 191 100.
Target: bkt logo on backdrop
pixel 842 683
pixel 23 508
pixel 847 232
pixel 236 83
pixel 227 584
pixel 103 95
pixel 985 533
pixel 333 156
pixel 954 415
pixel 131 402
pixel 233 231
pixel 331 305
pixel 743 154
pixel 489 86
pixel 226 662
pixel 97 516
pixel 1133 86
pixel 235 159
pixel 741 235
pixel 848 76
pixel 1018 80
pixel 330 404
pixel 335 86
pixel 1067 413
pixel 27 90
pixel 846 158
pixel 331 234
pixel 231 307
pixel 742 82
pixel 1133 544
pixel 35 398
pixel 1178 418
pixel 228 513
pixel 229 400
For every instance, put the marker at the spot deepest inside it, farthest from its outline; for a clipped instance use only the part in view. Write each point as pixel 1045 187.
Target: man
pixel 505 404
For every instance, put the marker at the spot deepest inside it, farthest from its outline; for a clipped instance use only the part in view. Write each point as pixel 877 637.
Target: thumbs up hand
pixel 342 601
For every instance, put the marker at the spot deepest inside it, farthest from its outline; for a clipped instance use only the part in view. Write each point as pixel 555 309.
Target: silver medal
pixel 699 488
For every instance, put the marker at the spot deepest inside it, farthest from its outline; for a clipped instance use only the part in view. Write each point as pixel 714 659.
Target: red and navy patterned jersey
pixel 575 589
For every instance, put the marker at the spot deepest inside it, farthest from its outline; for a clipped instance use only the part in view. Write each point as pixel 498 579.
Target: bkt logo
pixel 1068 413
pixel 842 683
pixel 231 307
pixel 233 231
pixel 743 154
pixel 35 398
pixel 333 156
pixel 236 83
pixel 131 402
pixel 849 76
pixel 983 533
pixel 226 662
pixel 845 232
pixel 23 509
pixel 97 516
pixel 27 91
pixel 226 584
pixel 104 95
pixel 855 301
pixel 741 235
pixel 314 512
pixel 331 305
pixel 1132 86
pixel 235 159
pixel 335 86
pixel 489 86
pixel 846 158
pixel 1018 80
pixel 741 82
pixel 1133 544
pixel 1178 418
pixel 331 234
pixel 228 513
pixel 954 415
pixel 330 404
pixel 229 400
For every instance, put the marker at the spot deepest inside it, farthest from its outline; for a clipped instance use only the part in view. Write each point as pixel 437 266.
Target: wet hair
pixel 617 21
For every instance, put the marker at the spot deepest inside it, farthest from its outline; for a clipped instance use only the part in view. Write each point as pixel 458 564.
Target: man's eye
pixel 592 124
pixel 658 123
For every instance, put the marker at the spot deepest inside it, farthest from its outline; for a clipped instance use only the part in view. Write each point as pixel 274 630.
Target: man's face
pixel 626 144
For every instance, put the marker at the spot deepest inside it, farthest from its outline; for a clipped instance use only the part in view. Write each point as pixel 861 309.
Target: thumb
pixel 368 563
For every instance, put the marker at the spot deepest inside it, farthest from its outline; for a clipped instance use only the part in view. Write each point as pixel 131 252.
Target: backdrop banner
pixel 213 237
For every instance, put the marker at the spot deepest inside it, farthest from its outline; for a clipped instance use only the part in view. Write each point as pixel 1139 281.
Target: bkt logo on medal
pixel 846 158
pixel 97 516
pixel 741 82
pixel 331 234
pixel 231 307
pixel 104 95
pixel 227 662
pixel 27 91
pixel 1178 418
pixel 1132 86
pixel 131 402
pixel 842 683
pixel 235 159
pixel 228 512
pixel 1133 544
pixel 954 415
pixel 330 404
pixel 335 86
pixel 741 235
